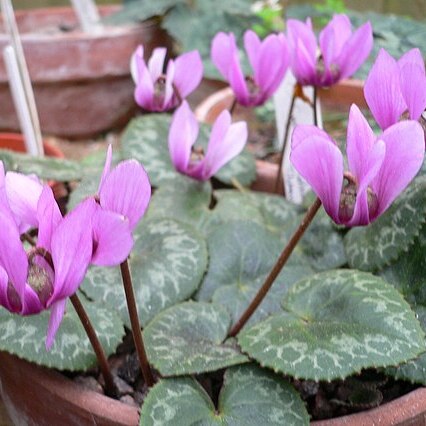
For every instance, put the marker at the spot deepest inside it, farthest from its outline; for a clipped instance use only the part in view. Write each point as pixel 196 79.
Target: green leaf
pixel 249 396
pixel 48 168
pixel 25 337
pixel 372 247
pixel 241 254
pixel 145 139
pixel 336 323
pixel 183 199
pixel 189 339
pixel 167 264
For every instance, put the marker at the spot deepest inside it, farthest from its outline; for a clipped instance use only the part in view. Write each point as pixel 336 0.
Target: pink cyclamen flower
pixel 226 142
pixel 396 88
pixel 156 91
pixel 339 54
pixel 123 196
pixel 48 274
pixel 268 58
pixel 380 167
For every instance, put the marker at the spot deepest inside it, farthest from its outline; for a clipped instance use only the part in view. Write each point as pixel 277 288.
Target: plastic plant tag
pixel 294 185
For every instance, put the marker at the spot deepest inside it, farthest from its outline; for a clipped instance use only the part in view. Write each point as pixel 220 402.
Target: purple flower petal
pixel 48 216
pixel 183 133
pixel 355 51
pixel 186 82
pixel 413 82
pixel 23 193
pixel 333 37
pixel 4 296
pixel 72 250
pixel 238 82
pixel 252 46
pixel 223 51
pixel 405 149
pixel 273 61
pixel 223 148
pixel 382 91
pixel 31 302
pixel 320 162
pixel 360 141
pixel 144 91
pixel 302 132
pixel 113 238
pixel 156 62
pixel 56 314
pixel 126 191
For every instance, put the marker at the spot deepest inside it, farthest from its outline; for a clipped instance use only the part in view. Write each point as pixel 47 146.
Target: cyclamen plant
pixel 201 263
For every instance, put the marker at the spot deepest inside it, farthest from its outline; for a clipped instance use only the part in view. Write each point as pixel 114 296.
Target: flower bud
pixel 40 282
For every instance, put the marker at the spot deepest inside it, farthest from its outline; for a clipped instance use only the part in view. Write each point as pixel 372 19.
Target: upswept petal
pixel 320 162
pixel 169 101
pixel 405 148
pixel 333 37
pixel 238 82
pixel 112 236
pixel 355 51
pixel 133 65
pixel 300 33
pixel 373 160
pixel 222 149
pixel 382 91
pixel 360 141
pixel 413 82
pixel 252 46
pixel 23 193
pixel 56 314
pixel 272 64
pixel 107 167
pixel 4 297
pixel 13 258
pixel 303 65
pixel 223 50
pixel 144 91
pixel 305 131
pixel 31 302
pixel 48 217
pixel 156 62
pixel 183 133
pixel 188 72
pixel 126 191
pixel 72 250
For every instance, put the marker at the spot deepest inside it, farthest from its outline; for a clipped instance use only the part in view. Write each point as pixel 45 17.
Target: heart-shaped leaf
pixel 336 323
pixel 167 264
pixel 189 339
pixel 372 247
pixel 25 337
pixel 146 140
pixel 183 199
pixel 250 396
pixel 48 168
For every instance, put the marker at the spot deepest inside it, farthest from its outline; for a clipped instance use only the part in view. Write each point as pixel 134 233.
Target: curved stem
pixel 314 106
pixel 134 321
pixel 110 388
pixel 282 260
pixel 233 105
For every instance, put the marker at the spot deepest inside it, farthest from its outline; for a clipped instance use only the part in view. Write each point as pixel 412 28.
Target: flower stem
pixel 310 214
pixel 233 105
pixel 134 321
pixel 110 388
pixel 314 106
pixel 278 180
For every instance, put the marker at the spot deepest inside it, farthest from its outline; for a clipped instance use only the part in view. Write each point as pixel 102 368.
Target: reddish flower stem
pixel 282 260
pixel 314 106
pixel 110 388
pixel 134 321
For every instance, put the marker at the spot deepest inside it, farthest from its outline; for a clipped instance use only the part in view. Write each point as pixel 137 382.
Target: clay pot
pixel 82 82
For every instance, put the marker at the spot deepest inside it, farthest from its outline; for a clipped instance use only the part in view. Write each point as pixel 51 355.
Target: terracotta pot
pixel 82 82
pixel 34 395
pixel 344 93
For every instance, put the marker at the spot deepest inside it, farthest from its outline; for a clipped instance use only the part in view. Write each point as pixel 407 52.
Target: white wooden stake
pixel 87 15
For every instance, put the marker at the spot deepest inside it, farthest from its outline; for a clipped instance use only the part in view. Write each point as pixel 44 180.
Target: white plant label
pixel 295 186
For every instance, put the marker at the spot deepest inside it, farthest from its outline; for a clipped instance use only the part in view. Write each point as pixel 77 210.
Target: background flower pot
pixel 82 82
